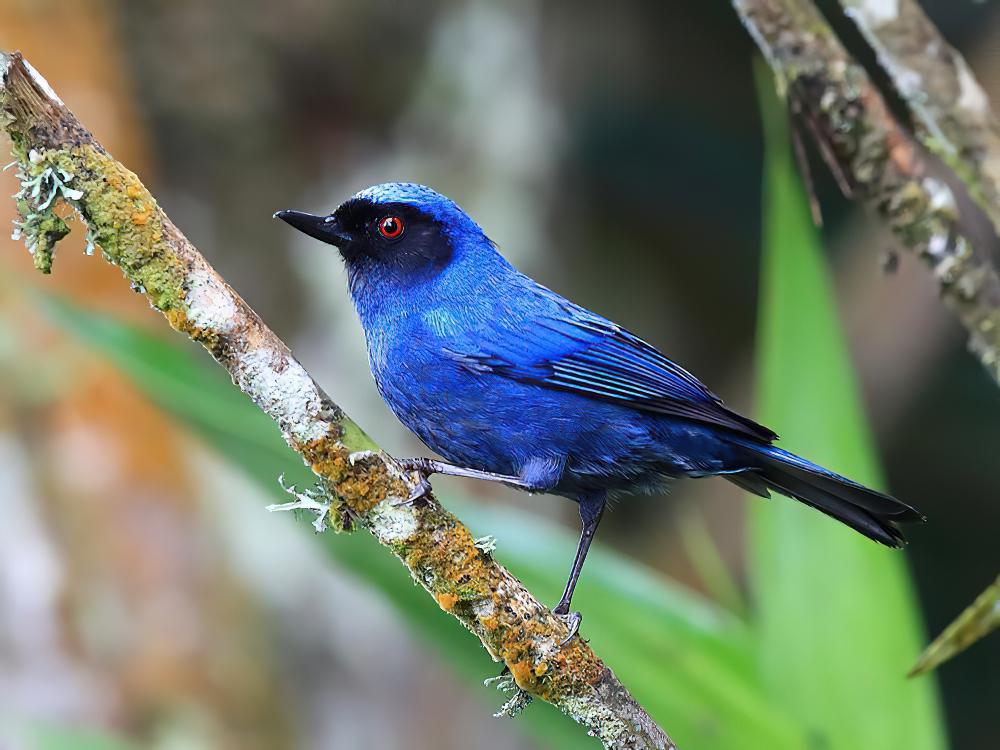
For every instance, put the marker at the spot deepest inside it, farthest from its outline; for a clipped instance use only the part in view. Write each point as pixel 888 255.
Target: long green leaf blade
pixel 836 616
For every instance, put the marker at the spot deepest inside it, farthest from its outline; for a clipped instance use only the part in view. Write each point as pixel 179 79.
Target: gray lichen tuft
pixel 44 184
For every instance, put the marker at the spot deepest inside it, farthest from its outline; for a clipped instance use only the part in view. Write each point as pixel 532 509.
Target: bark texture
pixel 951 112
pixel 876 161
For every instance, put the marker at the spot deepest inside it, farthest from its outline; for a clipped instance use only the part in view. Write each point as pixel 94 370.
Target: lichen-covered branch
pixel 951 112
pixel 60 163
pixel 877 162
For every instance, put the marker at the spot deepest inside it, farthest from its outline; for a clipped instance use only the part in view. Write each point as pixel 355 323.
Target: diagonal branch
pixel 60 162
pixel 951 112
pixel 884 168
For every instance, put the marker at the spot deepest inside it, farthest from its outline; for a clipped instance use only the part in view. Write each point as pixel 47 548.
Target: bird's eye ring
pixel 390 227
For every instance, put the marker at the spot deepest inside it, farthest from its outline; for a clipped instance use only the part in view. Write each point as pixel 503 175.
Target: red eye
pixel 391 227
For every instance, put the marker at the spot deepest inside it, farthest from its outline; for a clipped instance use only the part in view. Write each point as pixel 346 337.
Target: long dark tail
pixel 872 513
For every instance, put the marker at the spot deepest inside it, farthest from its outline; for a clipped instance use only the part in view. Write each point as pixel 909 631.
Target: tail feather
pixel 751 481
pixel 868 511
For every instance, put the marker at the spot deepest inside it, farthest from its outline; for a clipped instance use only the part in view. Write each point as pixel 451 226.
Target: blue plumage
pixel 498 374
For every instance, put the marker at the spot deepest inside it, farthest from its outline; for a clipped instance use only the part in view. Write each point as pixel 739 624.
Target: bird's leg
pixel 591 512
pixel 427 466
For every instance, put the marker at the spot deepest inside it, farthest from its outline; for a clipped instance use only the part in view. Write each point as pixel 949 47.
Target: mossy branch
pixel 876 161
pixel 359 488
pixel 950 110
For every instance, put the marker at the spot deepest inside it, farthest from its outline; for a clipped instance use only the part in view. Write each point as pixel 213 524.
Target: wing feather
pixel 577 351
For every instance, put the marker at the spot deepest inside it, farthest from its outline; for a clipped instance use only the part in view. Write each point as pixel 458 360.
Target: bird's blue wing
pixel 571 349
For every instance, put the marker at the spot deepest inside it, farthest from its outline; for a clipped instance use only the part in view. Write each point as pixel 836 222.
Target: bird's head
pixel 394 227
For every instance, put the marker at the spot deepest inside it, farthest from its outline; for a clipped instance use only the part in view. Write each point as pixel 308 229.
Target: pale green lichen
pixel 210 305
pixel 283 389
pixel 315 500
pixel 518 700
pixel 487 544
pixel 121 215
pixel 39 225
pixel 601 721
pixel 395 522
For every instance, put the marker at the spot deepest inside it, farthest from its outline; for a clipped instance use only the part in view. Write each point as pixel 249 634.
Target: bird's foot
pixel 423 465
pixel 428 466
pixel 419 492
pixel 422 468
pixel 310 500
pixel 571 620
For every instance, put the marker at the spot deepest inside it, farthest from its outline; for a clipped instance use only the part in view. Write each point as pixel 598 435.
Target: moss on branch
pixel 876 161
pixel 951 112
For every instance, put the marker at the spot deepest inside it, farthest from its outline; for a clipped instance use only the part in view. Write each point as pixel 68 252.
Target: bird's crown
pixel 402 192
pixel 421 198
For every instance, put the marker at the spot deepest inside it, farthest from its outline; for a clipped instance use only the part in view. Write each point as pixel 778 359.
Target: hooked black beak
pixel 324 228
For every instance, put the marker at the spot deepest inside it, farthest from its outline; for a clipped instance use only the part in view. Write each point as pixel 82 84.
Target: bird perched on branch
pixel 510 382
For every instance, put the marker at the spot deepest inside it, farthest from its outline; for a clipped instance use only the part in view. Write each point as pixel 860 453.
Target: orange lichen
pixel 446 561
pixel 179 321
pixel 360 486
pixel 446 600
pixel 522 673
pixel 490 623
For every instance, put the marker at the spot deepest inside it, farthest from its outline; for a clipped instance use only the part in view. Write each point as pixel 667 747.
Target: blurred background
pixel 613 151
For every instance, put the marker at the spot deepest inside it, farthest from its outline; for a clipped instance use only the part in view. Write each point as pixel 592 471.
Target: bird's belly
pixel 485 426
pixel 495 424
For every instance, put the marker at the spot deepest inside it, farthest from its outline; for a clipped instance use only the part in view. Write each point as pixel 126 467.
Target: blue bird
pixel 511 382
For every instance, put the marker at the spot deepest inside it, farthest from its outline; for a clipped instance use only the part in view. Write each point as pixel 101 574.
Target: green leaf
pixel 836 618
pixel 55 737
pixel 689 661
pixel 176 375
pixel 977 621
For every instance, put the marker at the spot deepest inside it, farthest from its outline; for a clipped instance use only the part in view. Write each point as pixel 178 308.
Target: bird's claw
pixel 571 620
pixel 419 491
pixel 420 468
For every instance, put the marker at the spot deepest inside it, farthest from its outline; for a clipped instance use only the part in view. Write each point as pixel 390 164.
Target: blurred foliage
pixel 53 737
pixel 821 662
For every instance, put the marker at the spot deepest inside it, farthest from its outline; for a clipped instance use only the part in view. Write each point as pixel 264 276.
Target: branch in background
pixel 876 162
pixel 60 162
pixel 880 163
pixel 978 620
pixel 951 112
